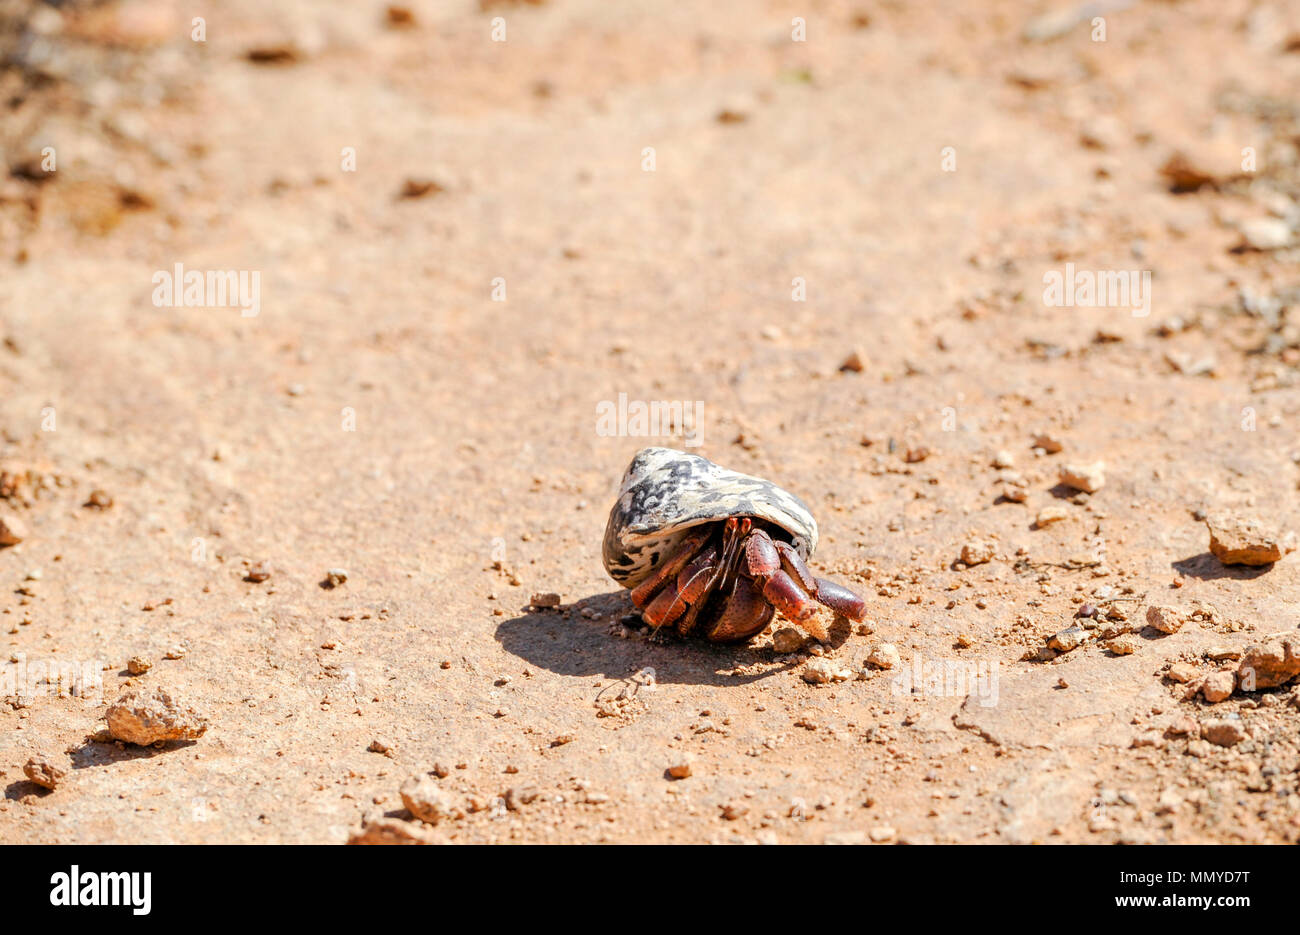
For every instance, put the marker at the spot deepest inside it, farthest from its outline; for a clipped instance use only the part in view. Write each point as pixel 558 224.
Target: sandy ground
pixel 385 413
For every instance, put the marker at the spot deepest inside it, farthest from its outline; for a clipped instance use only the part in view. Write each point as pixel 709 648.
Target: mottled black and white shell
pixel 665 492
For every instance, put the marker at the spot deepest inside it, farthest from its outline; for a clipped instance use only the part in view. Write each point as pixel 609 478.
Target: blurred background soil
pixel 917 166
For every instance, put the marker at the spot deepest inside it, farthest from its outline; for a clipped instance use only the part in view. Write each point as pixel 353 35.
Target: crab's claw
pixel 841 600
pixel 814 627
pixel 835 596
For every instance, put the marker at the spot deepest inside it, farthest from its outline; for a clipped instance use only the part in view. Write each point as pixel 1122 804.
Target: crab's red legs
pixel 671 565
pixel 763 561
pixel 691 583
pixel 673 601
pixel 720 572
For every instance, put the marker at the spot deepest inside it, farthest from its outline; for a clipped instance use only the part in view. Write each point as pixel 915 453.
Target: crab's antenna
pixel 732 534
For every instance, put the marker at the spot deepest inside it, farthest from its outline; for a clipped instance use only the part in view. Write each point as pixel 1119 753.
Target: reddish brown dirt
pixel 226 441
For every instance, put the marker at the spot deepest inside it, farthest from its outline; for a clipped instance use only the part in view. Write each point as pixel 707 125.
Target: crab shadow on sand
pixel 567 643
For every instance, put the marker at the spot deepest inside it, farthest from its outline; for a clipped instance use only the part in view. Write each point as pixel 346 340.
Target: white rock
pixel 1068 639
pixel 12 530
pixel 1166 619
pixel 885 656
pixel 424 799
pixel 823 671
pixel 1265 233
pixel 1086 477
pixel 1051 514
pixel 978 551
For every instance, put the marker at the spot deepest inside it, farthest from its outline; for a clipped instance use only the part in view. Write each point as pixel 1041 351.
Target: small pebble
pixel 1086 477
pixel 787 640
pixel 823 671
pixel 1049 443
pixel 978 551
pixel 44 773
pixel 1068 639
pixel 1124 645
pixel 1265 233
pixel 424 799
pixel 884 656
pixel 1223 733
pixel 12 530
pixel 518 796
pixel 381 830
pixel 734 809
pixel 258 573
pixel 1165 618
pixel 1051 514
pixel 853 363
pixel 1218 686
pixel 1238 541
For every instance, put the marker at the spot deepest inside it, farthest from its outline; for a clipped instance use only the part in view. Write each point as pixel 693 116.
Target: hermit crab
pixel 715 553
